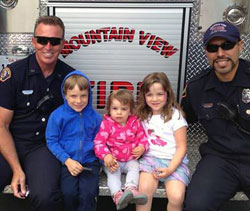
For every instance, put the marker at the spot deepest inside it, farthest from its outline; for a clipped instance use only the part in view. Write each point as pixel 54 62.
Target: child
pixel 70 134
pixel 165 127
pixel 120 142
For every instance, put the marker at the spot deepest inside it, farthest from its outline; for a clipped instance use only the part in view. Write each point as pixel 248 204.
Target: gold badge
pixel 5 74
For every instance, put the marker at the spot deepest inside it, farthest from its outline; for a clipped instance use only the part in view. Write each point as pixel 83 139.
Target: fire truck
pixel 116 43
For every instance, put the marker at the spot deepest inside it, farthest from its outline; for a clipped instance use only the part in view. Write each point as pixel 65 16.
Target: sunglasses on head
pixel 52 40
pixel 227 45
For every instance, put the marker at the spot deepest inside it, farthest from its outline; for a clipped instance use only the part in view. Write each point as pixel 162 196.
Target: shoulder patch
pixel 5 74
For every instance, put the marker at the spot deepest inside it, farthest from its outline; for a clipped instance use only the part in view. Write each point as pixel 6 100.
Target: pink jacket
pixel 119 140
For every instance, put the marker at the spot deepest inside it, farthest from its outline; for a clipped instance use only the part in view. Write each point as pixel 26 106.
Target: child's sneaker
pixel 122 199
pixel 138 198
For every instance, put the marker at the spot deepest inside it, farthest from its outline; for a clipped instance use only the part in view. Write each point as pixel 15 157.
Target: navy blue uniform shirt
pixel 200 103
pixel 22 86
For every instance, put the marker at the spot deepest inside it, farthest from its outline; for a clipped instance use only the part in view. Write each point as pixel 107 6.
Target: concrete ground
pixel 105 203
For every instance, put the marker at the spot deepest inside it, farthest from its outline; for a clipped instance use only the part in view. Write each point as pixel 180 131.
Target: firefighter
pixel 219 98
pixel 30 91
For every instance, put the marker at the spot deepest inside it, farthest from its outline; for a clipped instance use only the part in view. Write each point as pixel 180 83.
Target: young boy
pixel 70 132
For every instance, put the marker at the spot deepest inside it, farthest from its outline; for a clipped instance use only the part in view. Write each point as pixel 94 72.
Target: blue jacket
pixel 70 134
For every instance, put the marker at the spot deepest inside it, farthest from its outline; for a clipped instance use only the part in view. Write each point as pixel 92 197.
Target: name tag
pixel 27 92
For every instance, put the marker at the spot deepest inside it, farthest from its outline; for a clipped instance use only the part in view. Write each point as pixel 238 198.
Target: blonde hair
pixel 143 111
pixel 124 96
pixel 73 80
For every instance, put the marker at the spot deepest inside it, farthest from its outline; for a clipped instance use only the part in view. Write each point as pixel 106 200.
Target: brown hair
pixel 124 96
pixel 50 20
pixel 143 110
pixel 73 80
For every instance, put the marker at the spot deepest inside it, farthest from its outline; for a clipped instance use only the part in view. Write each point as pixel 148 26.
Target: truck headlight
pixel 8 4
pixel 235 14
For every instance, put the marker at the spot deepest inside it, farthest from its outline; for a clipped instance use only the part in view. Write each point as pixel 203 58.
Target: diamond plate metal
pixel 8 41
pixel 43 7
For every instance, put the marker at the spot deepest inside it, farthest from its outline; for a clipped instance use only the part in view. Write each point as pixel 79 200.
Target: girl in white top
pixel 166 128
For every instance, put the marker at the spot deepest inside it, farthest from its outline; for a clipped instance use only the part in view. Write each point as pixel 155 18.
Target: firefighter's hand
pixel 18 184
pixel 111 163
pixel 73 166
pixel 138 152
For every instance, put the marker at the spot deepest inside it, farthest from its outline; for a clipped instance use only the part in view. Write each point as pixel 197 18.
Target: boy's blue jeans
pixel 80 192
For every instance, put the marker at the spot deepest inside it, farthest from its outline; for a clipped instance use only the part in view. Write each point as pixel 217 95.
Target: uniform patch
pixel 5 74
pixel 246 95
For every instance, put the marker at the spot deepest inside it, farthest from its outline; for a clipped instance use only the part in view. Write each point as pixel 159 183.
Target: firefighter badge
pixel 246 95
pixel 5 74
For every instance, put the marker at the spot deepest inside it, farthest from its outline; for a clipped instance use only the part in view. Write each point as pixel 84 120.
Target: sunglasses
pixel 52 40
pixel 227 45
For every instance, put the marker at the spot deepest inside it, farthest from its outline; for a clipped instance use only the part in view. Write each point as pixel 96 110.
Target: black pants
pixel 42 172
pixel 215 181
pixel 80 193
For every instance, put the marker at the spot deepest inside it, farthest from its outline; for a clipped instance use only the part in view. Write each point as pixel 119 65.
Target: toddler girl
pixel 120 142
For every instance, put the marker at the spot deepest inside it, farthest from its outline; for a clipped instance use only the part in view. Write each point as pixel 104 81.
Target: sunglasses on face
pixel 227 45
pixel 52 40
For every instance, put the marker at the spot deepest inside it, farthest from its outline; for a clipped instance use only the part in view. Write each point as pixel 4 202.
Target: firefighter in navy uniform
pixel 219 98
pixel 30 91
